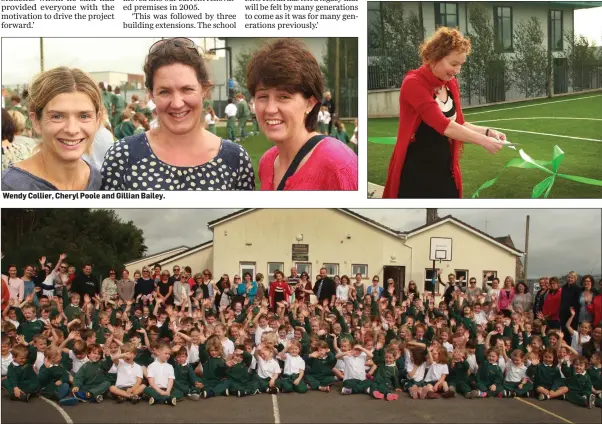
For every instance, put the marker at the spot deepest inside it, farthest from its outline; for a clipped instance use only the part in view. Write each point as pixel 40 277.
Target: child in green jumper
pixel 90 381
pixel 214 367
pixel 241 382
pixel 186 380
pixel 546 376
pixel 489 377
pixel 386 377
pixel 54 379
pixel 21 381
pixel 320 363
pixel 459 373
pixel 595 374
pixel 579 384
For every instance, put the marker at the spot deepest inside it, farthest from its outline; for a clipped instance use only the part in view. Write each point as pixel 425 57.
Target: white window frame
pixel 466 278
pixel 300 271
pixel 247 265
pixel 430 280
pixel 354 271
pixel 325 265
pixel 492 277
pixel 279 268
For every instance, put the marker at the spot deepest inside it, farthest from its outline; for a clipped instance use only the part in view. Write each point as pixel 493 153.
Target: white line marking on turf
pixel 65 416
pixel 545 410
pixel 551 135
pixel 276 410
pixel 537 104
pixel 535 117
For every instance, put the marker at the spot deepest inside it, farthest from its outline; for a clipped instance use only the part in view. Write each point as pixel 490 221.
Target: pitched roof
pixel 187 252
pixel 157 254
pixel 449 218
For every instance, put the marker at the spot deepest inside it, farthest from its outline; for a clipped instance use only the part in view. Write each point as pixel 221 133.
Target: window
pixel 304 267
pixel 502 21
pixel 247 267
pixel 359 269
pixel 462 276
pixel 428 280
pixel 489 278
pixel 332 269
pixel 446 14
pixel 274 266
pixel 556 26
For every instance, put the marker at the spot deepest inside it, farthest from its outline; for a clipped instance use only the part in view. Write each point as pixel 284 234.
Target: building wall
pixel 198 261
pixel 267 235
pixel 469 252
pixel 138 264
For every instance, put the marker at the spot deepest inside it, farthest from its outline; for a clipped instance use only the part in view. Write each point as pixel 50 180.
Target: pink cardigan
pixel 331 166
pixel 504 301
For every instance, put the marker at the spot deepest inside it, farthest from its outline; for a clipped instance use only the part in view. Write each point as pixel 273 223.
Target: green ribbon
pixel 544 187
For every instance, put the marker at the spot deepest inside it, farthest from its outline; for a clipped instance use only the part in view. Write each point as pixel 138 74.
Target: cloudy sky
pixel 561 239
pixel 127 55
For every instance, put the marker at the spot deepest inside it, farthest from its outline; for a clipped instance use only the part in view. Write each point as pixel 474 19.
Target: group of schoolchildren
pixel 76 350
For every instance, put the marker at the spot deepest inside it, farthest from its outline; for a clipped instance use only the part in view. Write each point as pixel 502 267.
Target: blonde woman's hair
pixel 49 84
pixel 18 119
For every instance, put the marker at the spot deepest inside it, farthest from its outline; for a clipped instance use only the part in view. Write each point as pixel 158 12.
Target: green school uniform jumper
pixel 48 378
pixel 287 384
pixel 386 377
pixel 545 376
pixel 320 371
pixel 28 329
pixel 214 374
pixel 490 374
pixel 24 377
pixel 119 103
pixel 459 377
pixel 579 385
pixel 239 378
pixel 185 379
pixel 243 113
pixel 91 378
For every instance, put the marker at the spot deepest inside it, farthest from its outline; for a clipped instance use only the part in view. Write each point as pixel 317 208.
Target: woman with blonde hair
pixel 432 129
pixel 64 107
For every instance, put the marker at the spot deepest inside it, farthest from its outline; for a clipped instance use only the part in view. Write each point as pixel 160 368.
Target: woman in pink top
pixel 506 296
pixel 287 84
pixel 16 287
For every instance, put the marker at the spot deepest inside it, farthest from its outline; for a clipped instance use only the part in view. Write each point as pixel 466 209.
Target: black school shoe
pixel 120 399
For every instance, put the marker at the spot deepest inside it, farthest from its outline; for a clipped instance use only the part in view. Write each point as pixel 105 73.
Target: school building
pixel 343 241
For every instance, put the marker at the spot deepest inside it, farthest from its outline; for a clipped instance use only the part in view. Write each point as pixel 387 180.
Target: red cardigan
pixel 285 288
pixel 551 305
pixel 416 104
pixel 595 308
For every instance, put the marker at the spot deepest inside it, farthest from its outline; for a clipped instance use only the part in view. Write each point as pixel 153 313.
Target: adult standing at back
pixel 325 288
pixel 332 109
pixel 375 291
pixel 571 294
pixel 540 296
pixel 179 154
pixel 85 283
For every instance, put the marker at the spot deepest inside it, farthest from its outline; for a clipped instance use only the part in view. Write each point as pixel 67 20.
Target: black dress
pixel 427 169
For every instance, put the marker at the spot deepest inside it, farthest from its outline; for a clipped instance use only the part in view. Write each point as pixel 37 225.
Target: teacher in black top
pixel 325 288
pixel 85 283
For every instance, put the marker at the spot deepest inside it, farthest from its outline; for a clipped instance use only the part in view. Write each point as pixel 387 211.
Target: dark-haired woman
pixel 280 291
pixel 303 289
pixel 522 301
pixel 287 84
pixel 179 154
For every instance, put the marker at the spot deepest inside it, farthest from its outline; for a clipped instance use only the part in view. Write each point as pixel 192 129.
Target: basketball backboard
pixel 441 249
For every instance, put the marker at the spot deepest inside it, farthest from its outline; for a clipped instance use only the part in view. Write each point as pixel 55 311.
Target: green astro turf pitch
pixel 548 122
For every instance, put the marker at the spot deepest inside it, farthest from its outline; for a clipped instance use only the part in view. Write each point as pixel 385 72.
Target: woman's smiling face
pixel 280 114
pixel 178 97
pixel 67 125
pixel 450 66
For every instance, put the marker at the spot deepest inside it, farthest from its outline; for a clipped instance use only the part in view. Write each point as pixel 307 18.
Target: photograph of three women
pixel 180 114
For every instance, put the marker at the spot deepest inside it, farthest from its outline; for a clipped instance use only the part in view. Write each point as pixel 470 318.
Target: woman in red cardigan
pixel 432 130
pixel 551 305
pixel 279 290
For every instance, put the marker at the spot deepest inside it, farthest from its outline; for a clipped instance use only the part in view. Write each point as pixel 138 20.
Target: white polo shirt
pixel 193 353
pixel 515 374
pixel 6 360
pixel 127 374
pixel 435 372
pixel 228 347
pixel 267 369
pixel 77 363
pixel 259 332
pixel 293 364
pixel 161 372
pixel 39 362
pixel 355 367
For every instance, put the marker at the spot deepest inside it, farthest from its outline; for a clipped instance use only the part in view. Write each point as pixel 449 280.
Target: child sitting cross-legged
pixel 546 377
pixel 161 378
pixel 54 379
pixel 21 380
pixel 437 373
pixel 241 382
pixel 386 376
pixel 516 381
pixel 186 380
pixel 595 374
pixel 268 370
pixel 489 377
pixel 129 375
pixel 579 384
pixel 294 368
pixel 91 381
pixel 320 362
pixel 214 368
pixel 355 381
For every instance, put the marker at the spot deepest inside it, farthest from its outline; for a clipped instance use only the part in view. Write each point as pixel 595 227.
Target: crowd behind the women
pixel 167 336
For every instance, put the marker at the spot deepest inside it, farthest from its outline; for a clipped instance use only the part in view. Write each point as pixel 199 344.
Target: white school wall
pixel 267 235
pixel 469 252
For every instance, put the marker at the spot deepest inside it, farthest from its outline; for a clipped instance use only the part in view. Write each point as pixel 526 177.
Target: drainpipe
pixel 405 240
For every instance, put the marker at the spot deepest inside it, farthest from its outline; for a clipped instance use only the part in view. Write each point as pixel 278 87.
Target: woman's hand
pixel 491 144
pixel 497 134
